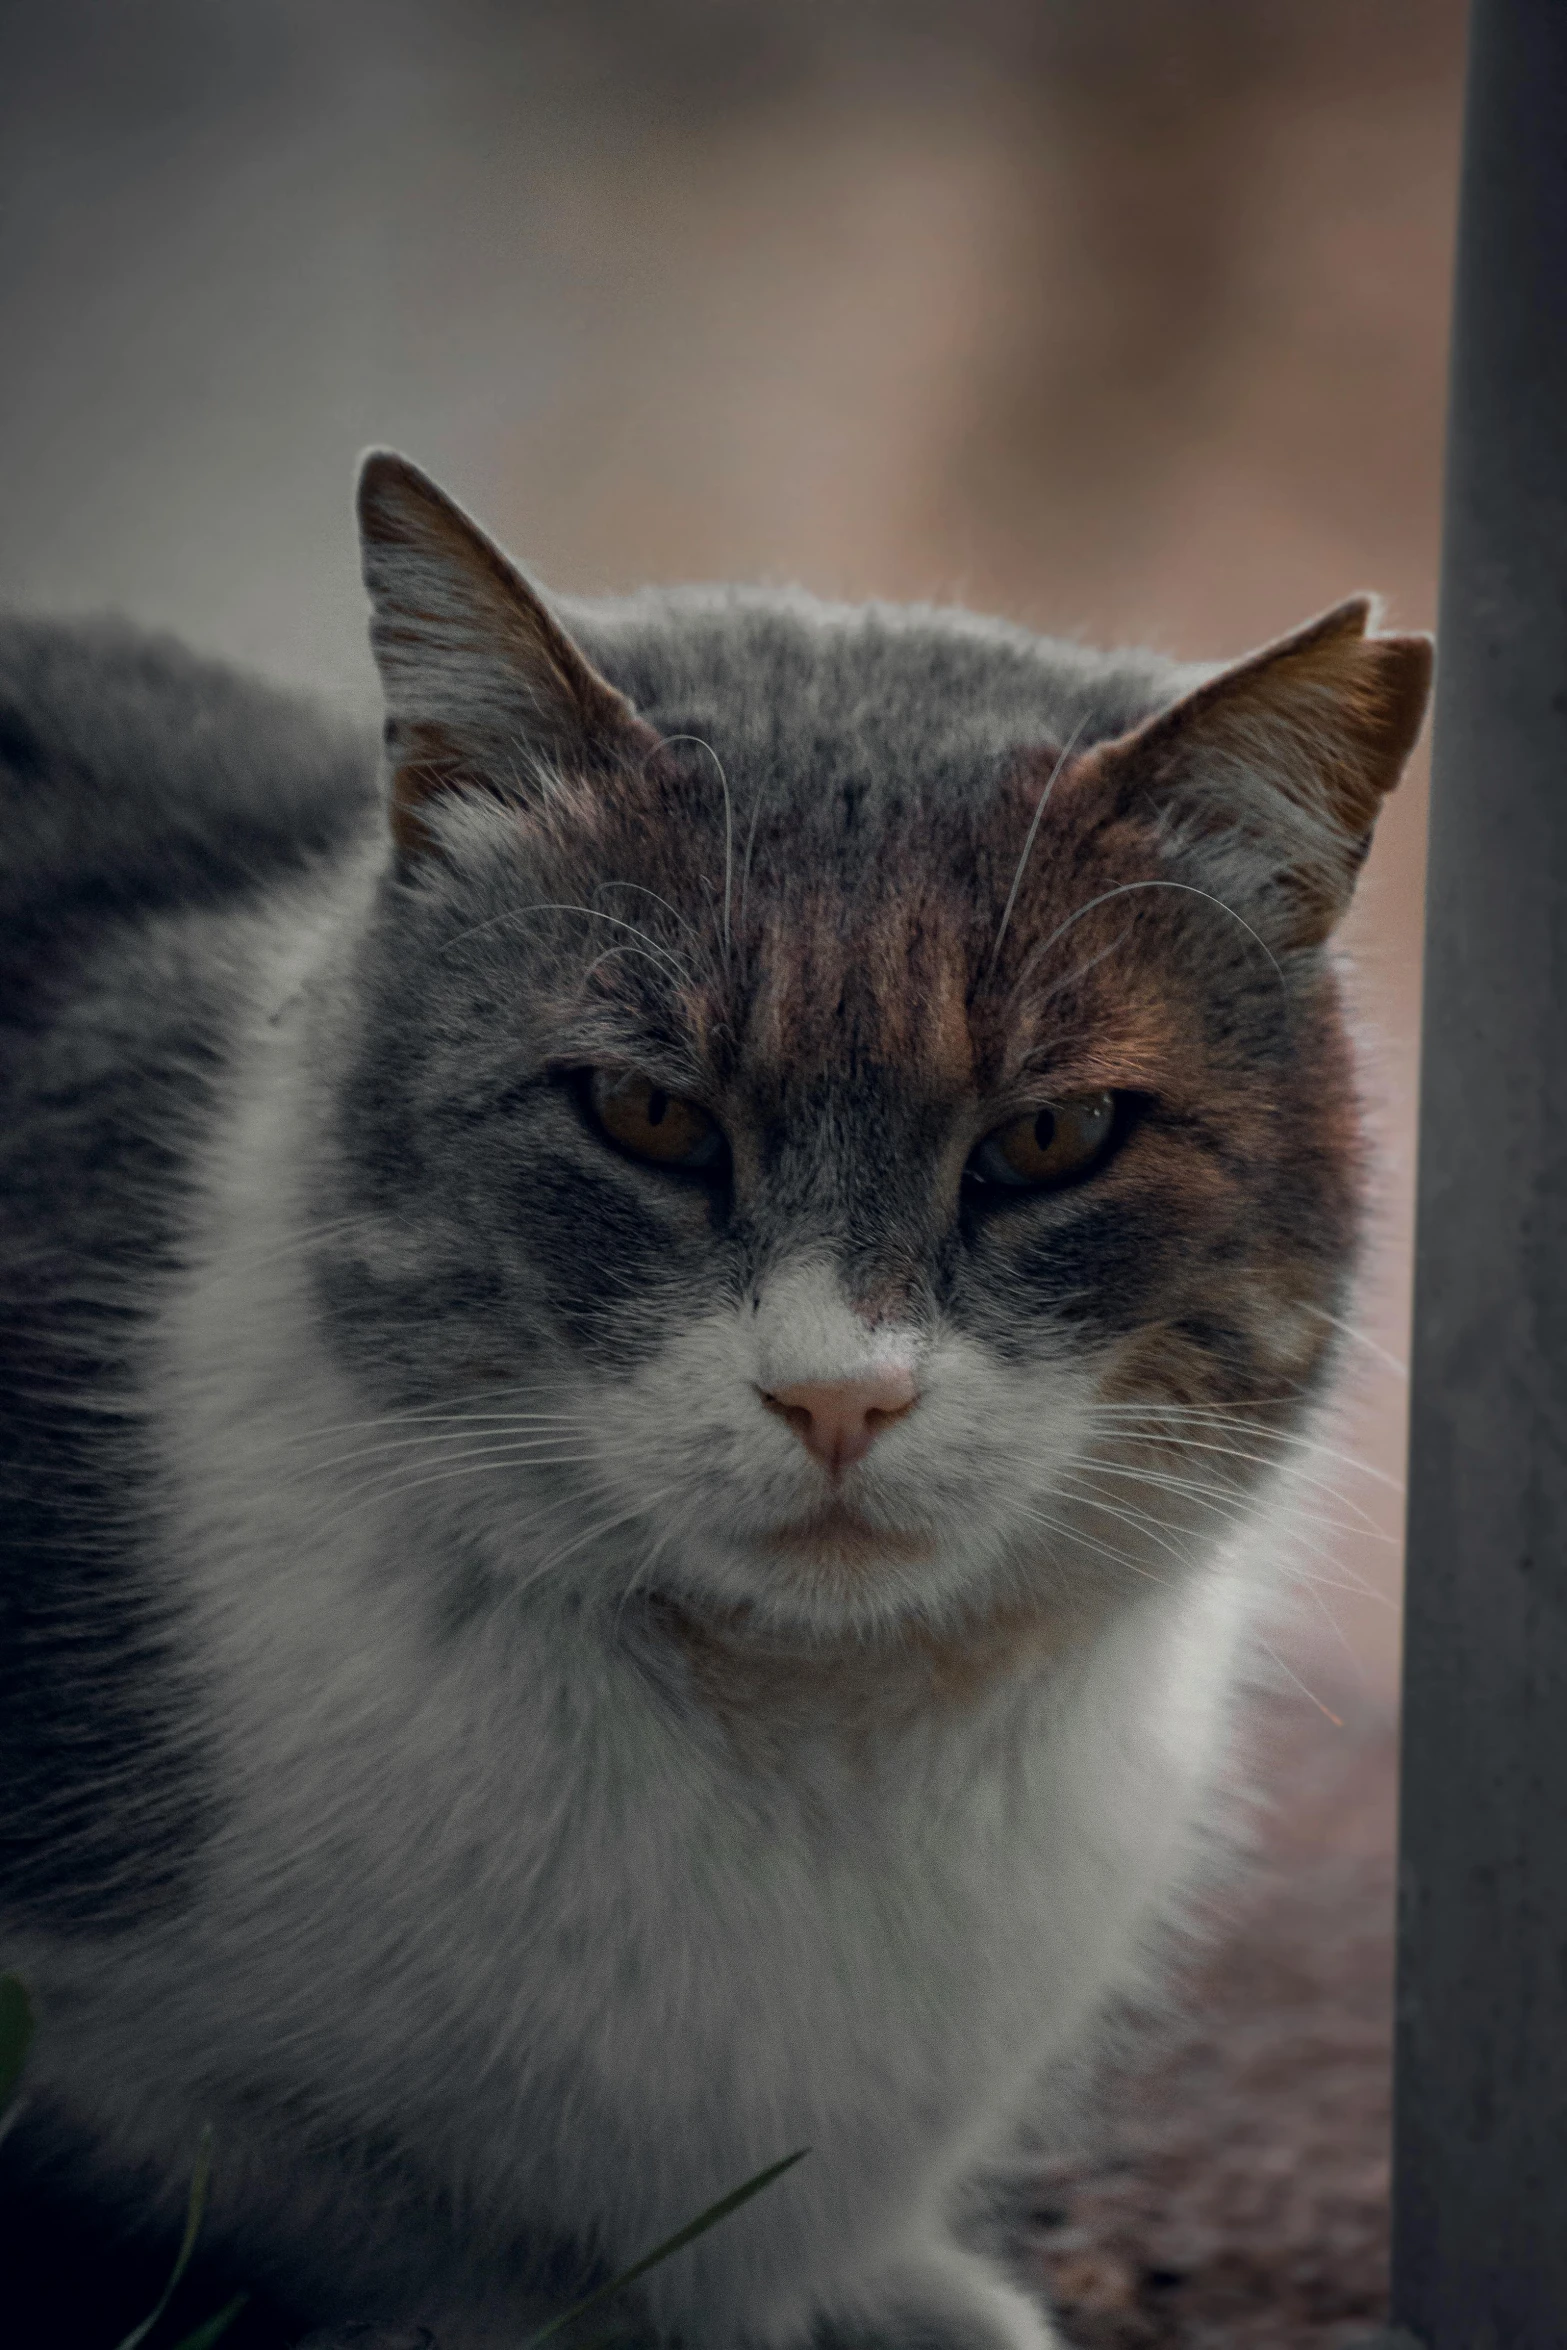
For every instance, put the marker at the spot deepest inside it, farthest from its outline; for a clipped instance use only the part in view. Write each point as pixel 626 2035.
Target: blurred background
pixel 1123 317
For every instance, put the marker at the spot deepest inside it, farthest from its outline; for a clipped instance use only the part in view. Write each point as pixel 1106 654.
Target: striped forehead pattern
pixel 828 934
pixel 864 881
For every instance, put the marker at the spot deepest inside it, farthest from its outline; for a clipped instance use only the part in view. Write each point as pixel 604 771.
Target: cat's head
pixel 850 1116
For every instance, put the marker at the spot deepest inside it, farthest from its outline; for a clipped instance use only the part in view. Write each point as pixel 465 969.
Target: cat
pixel 654 1356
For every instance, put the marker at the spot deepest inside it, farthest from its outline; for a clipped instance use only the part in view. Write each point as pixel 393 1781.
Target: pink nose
pixel 838 1420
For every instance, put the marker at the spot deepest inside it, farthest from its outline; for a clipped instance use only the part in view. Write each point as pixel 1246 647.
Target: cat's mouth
pixel 838 1536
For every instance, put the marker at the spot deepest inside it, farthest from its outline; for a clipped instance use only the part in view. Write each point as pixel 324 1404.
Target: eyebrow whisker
pixel 1028 844
pixel 729 831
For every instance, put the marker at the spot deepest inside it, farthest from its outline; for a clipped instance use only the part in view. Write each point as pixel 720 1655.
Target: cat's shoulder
pixel 135 774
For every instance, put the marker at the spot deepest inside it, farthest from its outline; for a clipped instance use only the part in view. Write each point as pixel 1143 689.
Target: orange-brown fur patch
pixel 1326 717
pixel 888 980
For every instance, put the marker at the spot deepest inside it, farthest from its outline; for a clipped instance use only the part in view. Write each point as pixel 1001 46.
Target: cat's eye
pixel 641 1117
pixel 1046 1147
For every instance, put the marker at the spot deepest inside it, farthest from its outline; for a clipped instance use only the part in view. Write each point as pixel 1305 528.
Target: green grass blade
pixel 675 2243
pixel 16 2034
pixel 205 2335
pixel 195 2207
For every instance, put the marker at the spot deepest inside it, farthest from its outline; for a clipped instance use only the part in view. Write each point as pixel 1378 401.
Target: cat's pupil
pixel 1045 1129
pixel 657 1104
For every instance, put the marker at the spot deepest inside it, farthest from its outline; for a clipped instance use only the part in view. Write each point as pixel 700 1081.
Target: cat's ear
pixel 484 689
pixel 1278 766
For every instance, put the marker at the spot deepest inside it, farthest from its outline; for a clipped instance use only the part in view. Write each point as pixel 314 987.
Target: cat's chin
pixel 830 1573
pixel 855 1661
pixel 837 1536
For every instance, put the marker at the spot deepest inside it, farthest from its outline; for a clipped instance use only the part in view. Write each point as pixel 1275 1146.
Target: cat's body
pixel 546 1674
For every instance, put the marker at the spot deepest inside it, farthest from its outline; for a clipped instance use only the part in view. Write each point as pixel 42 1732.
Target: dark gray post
pixel 1480 2194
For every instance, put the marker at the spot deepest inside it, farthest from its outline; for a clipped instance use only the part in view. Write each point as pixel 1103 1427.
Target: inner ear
pixel 1282 762
pixel 484 688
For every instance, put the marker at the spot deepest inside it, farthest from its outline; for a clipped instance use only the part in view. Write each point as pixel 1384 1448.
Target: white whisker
pixel 1362 1338
pixel 729 830
pixel 651 945
pixel 1158 1528
pixel 435 1415
pixel 253 1259
pixel 593 1533
pixel 1364 1523
pixel 659 900
pixel 1059 986
pixel 1294 1535
pixel 1076 1536
pixel 495 1429
pixel 1309 1694
pixel 1222 1424
pixel 1028 842
pixel 469 1464
pixel 1126 889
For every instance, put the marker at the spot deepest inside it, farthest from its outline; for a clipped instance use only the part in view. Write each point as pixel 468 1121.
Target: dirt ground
pixel 1242 2197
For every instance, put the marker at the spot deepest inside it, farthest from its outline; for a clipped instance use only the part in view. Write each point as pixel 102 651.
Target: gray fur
pixel 368 1421
pixel 137 785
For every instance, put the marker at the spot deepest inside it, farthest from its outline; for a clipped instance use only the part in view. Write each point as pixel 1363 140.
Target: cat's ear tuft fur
pixel 1276 768
pixel 484 688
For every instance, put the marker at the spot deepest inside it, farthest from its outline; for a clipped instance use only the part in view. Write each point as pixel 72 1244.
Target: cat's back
pixel 158 812
pixel 155 808
pixel 136 776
